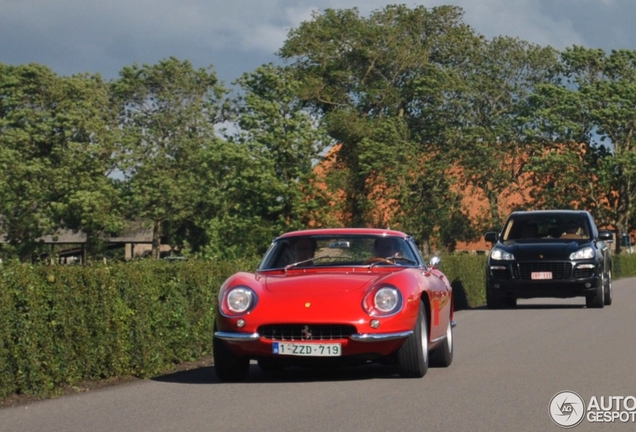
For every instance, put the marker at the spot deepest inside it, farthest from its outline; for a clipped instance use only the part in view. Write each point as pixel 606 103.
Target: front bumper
pixel 567 279
pixel 371 345
pixel 359 337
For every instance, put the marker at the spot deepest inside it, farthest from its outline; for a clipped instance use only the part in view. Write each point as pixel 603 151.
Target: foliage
pixel 405 118
pixel 167 112
pixel 594 104
pixel 56 151
pixel 66 324
pixel 624 265
pixel 378 82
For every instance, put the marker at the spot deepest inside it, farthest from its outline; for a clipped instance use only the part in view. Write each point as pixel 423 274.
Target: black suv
pixel 549 253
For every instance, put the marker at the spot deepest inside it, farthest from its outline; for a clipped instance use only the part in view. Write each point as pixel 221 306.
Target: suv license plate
pixel 541 275
pixel 307 349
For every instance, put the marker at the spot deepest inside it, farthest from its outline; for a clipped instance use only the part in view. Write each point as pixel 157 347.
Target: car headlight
pixel 240 300
pixel 386 300
pixel 585 253
pixel 500 254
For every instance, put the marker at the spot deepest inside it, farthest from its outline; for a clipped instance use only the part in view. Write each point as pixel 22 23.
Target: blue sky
pixel 236 36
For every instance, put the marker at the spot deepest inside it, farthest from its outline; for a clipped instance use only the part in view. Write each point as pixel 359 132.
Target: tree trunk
pixel 156 239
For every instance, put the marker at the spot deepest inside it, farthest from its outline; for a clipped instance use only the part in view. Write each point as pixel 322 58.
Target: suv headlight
pixel 500 254
pixel 585 253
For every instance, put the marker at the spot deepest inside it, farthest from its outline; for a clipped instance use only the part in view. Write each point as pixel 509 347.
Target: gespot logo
pixel 567 409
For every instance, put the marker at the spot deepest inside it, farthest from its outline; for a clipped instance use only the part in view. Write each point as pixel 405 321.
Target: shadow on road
pixel 206 375
pixel 533 306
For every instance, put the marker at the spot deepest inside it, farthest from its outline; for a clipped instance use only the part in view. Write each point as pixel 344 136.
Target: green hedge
pixel 61 325
pixel 467 276
pixel 624 265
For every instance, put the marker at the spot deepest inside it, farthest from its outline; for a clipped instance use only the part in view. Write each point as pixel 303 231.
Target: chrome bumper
pixel 375 337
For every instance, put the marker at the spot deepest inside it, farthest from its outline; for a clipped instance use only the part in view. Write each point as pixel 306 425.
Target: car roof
pixel 550 213
pixel 345 231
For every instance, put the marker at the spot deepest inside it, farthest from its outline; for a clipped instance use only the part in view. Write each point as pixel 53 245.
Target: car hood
pixel 321 283
pixel 543 249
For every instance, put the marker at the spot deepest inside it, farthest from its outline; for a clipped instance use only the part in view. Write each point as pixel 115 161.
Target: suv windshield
pixel 535 227
pixel 343 250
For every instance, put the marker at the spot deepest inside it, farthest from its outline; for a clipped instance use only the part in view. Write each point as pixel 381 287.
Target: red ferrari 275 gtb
pixel 328 297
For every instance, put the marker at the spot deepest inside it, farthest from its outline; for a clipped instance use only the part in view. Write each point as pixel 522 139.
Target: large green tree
pixel 595 105
pixel 496 134
pixel 56 155
pixel 272 123
pixel 381 84
pixel 168 112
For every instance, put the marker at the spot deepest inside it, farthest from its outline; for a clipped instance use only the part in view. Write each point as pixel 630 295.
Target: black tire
pixel 228 367
pixel 597 300
pixel 608 288
pixel 509 303
pixel 442 356
pixel 412 357
pixel 493 301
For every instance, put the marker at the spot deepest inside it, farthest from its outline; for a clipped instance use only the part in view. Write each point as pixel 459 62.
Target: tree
pixel 168 112
pixel 496 136
pixel 272 124
pixel 380 83
pixel 595 104
pixel 56 154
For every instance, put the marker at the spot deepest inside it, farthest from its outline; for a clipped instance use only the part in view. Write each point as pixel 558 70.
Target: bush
pixel 66 324
pixel 467 276
pixel 624 265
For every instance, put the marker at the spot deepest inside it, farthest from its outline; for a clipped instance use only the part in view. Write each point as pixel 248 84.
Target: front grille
pixel 500 274
pixel 282 332
pixel 559 270
pixel 583 272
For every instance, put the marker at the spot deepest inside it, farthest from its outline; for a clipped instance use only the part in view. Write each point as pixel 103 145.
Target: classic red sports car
pixel 336 296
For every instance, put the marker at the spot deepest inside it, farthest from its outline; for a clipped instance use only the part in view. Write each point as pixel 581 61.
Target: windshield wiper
pixel 391 260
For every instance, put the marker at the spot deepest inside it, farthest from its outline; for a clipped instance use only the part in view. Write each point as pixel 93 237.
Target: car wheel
pixel 510 303
pixel 442 356
pixel 228 367
pixel 608 288
pixel 493 301
pixel 597 300
pixel 412 357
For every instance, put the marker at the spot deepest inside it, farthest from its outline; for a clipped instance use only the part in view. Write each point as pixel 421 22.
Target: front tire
pixel 228 367
pixel 608 288
pixel 597 300
pixel 412 357
pixel 493 301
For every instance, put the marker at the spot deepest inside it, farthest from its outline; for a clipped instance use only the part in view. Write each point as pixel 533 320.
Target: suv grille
pixel 283 332
pixel 583 272
pixel 559 270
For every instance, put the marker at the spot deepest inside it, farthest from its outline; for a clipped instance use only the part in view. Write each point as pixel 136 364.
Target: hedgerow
pixel 63 325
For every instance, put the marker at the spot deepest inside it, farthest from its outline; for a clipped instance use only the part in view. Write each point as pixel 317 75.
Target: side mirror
pixel 491 237
pixel 434 261
pixel 605 235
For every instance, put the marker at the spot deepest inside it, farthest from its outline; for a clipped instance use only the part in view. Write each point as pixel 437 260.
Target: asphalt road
pixel 508 366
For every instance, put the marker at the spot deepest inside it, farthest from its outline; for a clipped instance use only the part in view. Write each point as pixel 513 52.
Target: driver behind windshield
pixel 386 247
pixel 304 249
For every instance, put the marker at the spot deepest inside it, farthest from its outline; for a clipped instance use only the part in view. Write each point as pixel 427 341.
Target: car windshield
pixel 546 227
pixel 341 250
